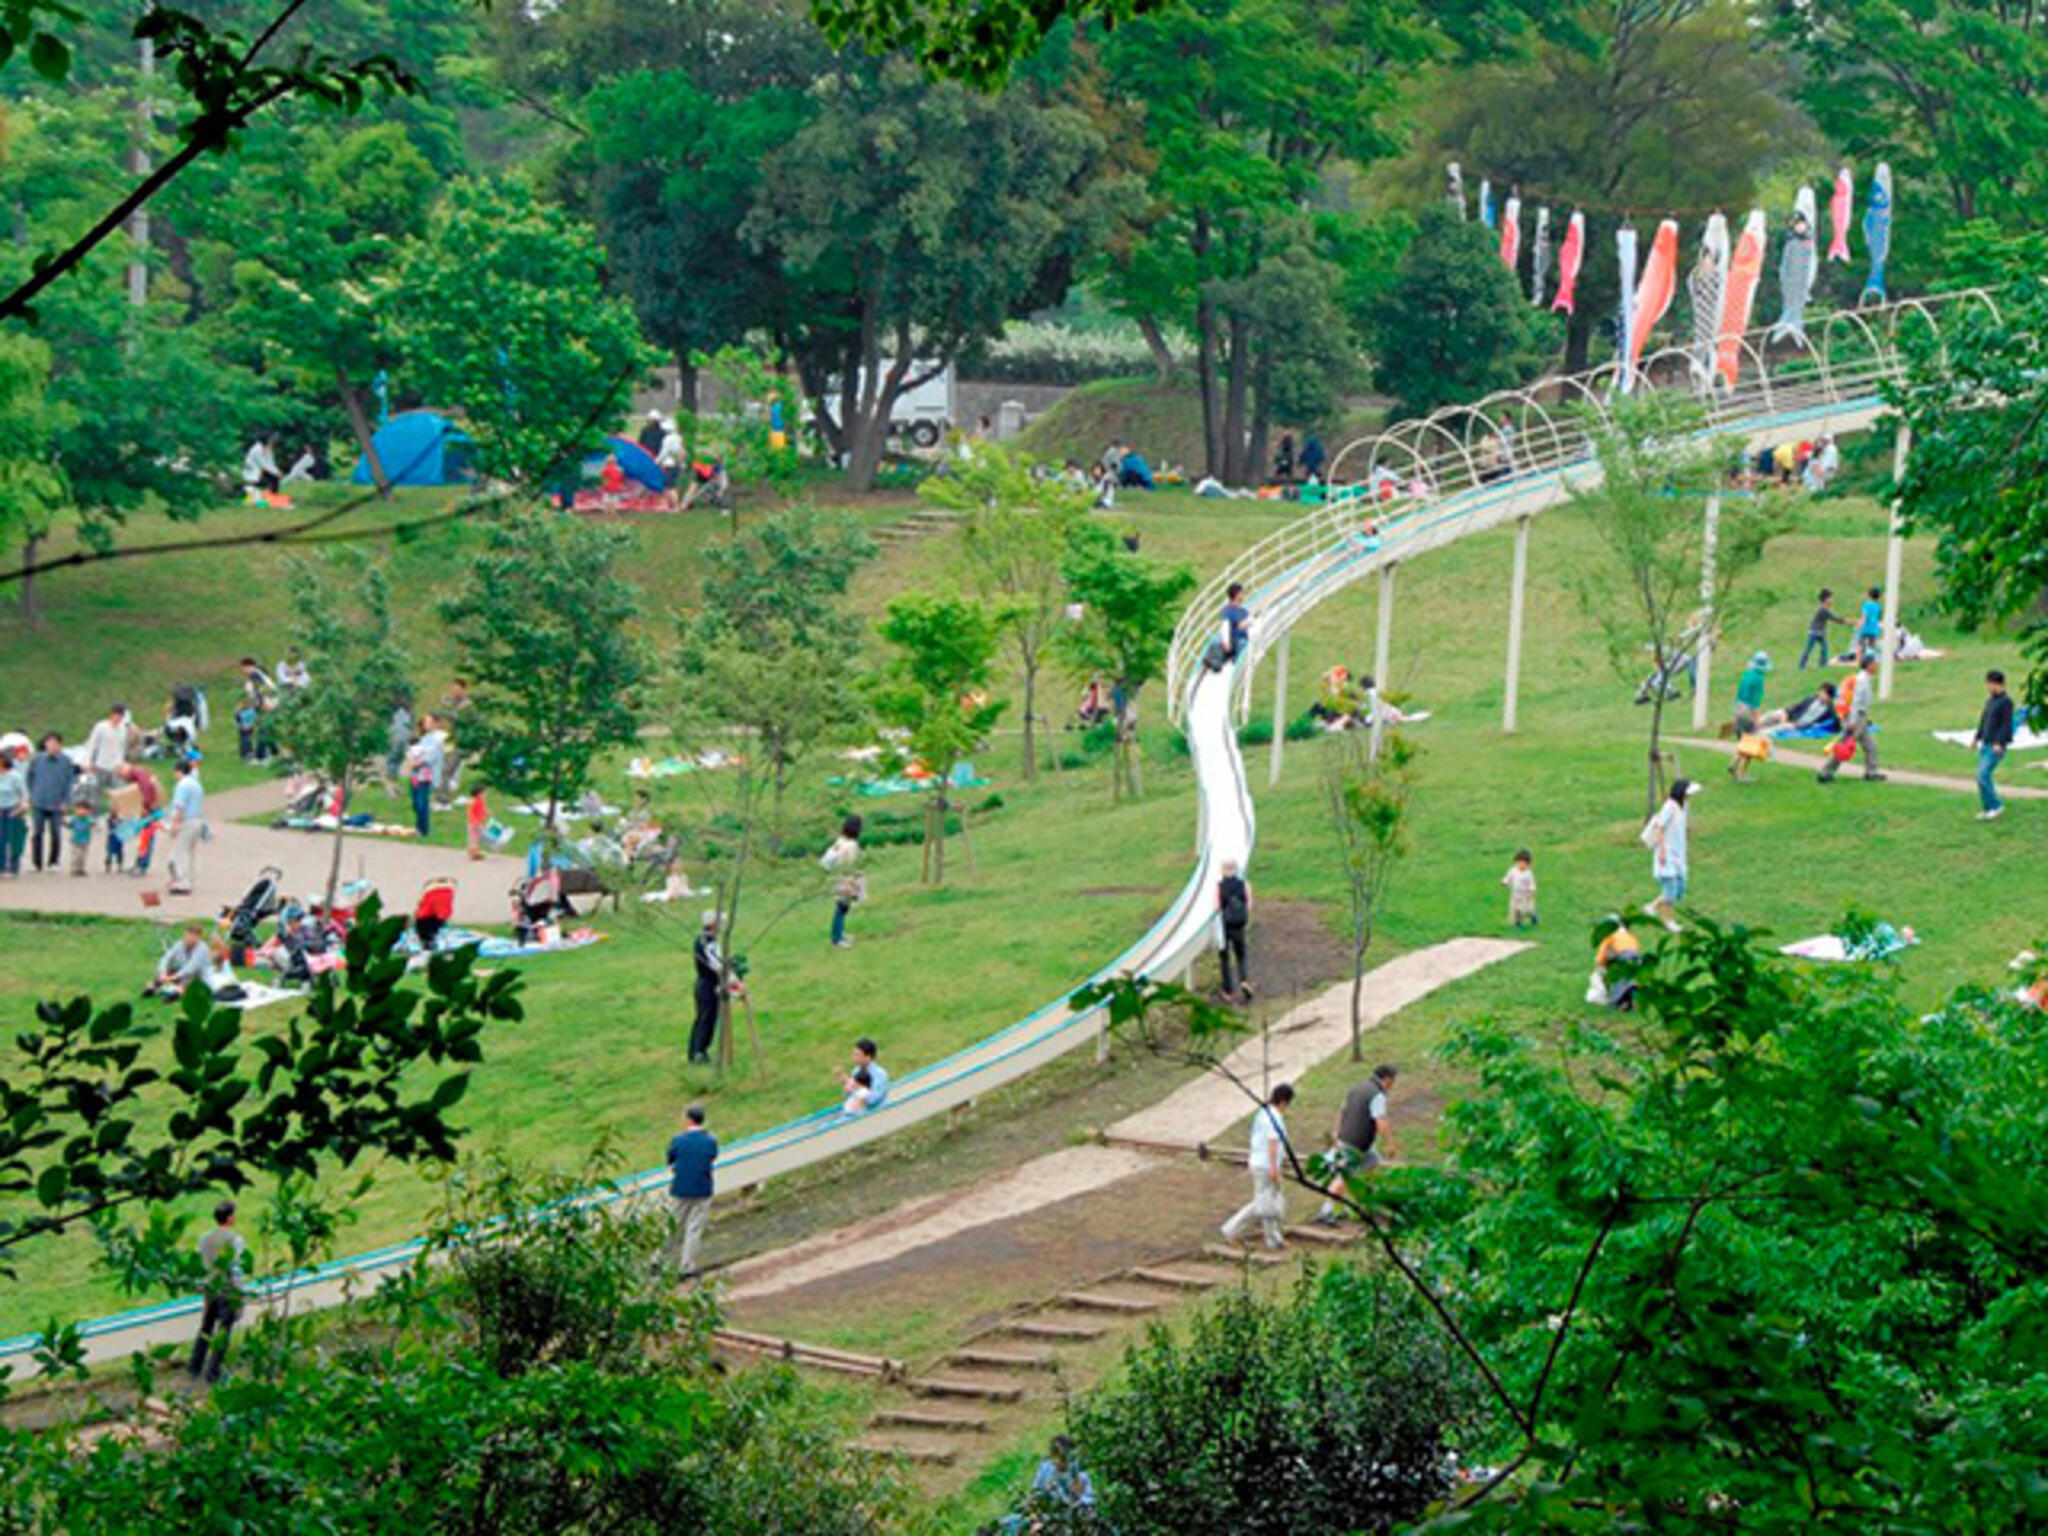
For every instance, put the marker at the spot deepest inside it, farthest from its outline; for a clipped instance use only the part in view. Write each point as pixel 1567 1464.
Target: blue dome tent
pixel 419 448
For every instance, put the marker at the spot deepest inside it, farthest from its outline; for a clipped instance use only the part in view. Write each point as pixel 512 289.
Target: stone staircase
pixel 918 523
pixel 953 1415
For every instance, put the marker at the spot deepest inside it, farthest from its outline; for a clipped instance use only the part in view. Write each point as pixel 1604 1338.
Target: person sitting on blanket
pixel 1816 709
pixel 220 974
pixel 183 963
pixel 302 942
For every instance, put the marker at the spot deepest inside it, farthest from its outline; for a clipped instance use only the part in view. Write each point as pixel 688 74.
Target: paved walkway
pixel 1196 1113
pixel 230 861
pixel 1781 757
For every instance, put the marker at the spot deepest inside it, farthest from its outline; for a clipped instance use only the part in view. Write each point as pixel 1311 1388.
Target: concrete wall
pixel 974 398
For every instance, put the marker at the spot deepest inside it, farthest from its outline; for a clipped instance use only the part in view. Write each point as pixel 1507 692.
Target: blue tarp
pixel 418 448
pixel 638 464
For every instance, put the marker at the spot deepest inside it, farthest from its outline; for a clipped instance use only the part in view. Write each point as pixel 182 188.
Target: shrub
pixel 1049 352
pixel 1333 1410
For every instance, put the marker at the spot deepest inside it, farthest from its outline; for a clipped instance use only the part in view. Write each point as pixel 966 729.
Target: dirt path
pixel 1199 1112
pixel 229 862
pixel 1854 770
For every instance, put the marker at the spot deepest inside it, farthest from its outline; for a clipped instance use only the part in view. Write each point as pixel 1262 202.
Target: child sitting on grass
pixel 1521 883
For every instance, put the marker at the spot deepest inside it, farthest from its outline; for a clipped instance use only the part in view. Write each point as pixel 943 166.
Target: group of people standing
pixel 1359 1142
pixel 55 800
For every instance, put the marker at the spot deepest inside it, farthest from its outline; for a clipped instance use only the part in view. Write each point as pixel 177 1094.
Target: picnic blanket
pixel 566 813
pixel 361 826
pixel 672 766
pixel 962 777
pixel 1821 732
pixel 2024 738
pixel 492 946
pixel 1883 941
pixel 257 994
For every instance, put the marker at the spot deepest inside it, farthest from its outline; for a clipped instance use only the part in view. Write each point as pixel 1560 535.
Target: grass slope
pixel 1065 879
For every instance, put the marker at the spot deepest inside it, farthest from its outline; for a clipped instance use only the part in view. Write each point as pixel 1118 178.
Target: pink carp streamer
pixel 1511 234
pixel 1840 206
pixel 1745 273
pixel 1654 292
pixel 1569 257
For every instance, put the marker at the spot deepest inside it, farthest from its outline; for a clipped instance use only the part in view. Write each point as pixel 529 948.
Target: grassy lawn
pixel 1064 878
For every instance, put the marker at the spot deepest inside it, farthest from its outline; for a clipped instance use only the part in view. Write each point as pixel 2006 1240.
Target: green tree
pixel 544 625
pixel 314 268
pixel 1453 325
pixel 1977 476
pixel 1765 1252
pixel 500 313
pixel 1366 794
pixel 341 621
pixel 1950 92
pixel 1019 530
pixel 31 489
pixel 90 1130
pixel 936 688
pixel 1129 609
pixel 1244 105
pixel 1619 104
pixel 792 572
pixel 1671 572
pixel 914 218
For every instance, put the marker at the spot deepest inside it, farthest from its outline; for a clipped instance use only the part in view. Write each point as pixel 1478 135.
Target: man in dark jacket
pixel 710 966
pixel 1994 736
pixel 51 778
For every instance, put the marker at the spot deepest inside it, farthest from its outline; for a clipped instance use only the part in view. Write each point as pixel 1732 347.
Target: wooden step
pixel 1004 1359
pixel 929 1419
pixel 1063 1333
pixel 1326 1237
pixel 937 1454
pixel 1244 1255
pixel 1175 1280
pixel 1099 1301
pixel 959 1386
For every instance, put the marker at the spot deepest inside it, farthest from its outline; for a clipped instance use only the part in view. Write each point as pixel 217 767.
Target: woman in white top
pixel 843 859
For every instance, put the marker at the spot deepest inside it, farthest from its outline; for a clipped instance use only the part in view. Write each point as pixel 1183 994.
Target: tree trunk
pixel 1238 369
pixel 1656 783
pixel 359 424
pixel 866 437
pixel 1155 342
pixel 686 383
pixel 29 548
pixel 1030 717
pixel 340 833
pixel 1361 940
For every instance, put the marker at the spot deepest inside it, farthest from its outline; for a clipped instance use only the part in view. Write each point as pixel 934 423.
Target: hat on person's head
pixel 1761 661
pixel 1683 790
pixel 710 920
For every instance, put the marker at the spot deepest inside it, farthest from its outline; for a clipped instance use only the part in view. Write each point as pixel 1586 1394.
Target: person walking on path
pixel 691 1152
pixel 1359 1138
pixel 13 813
pixel 1664 834
pixel 1870 626
pixel 52 775
pixel 1856 727
pixel 221 1252
pixel 1268 1205
pixel 187 825
pixel 1817 629
pixel 851 888
pixel 1749 708
pixel 710 967
pixel 1234 910
pixel 1994 737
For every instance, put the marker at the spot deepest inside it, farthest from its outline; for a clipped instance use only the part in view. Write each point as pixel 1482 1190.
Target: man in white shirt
pixel 188 822
pixel 291 673
pixel 106 748
pixel 1268 1204
pixel 424 764
pixel 259 469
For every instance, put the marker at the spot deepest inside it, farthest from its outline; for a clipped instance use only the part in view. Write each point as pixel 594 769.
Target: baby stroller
pixel 249 913
pixel 432 914
pixel 536 900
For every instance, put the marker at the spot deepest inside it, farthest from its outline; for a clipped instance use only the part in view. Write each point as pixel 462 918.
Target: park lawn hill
pixel 1062 878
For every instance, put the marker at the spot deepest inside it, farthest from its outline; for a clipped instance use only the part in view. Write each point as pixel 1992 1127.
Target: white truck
pixel 923 414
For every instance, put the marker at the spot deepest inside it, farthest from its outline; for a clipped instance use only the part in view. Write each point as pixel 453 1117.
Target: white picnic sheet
pixel 2024 739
